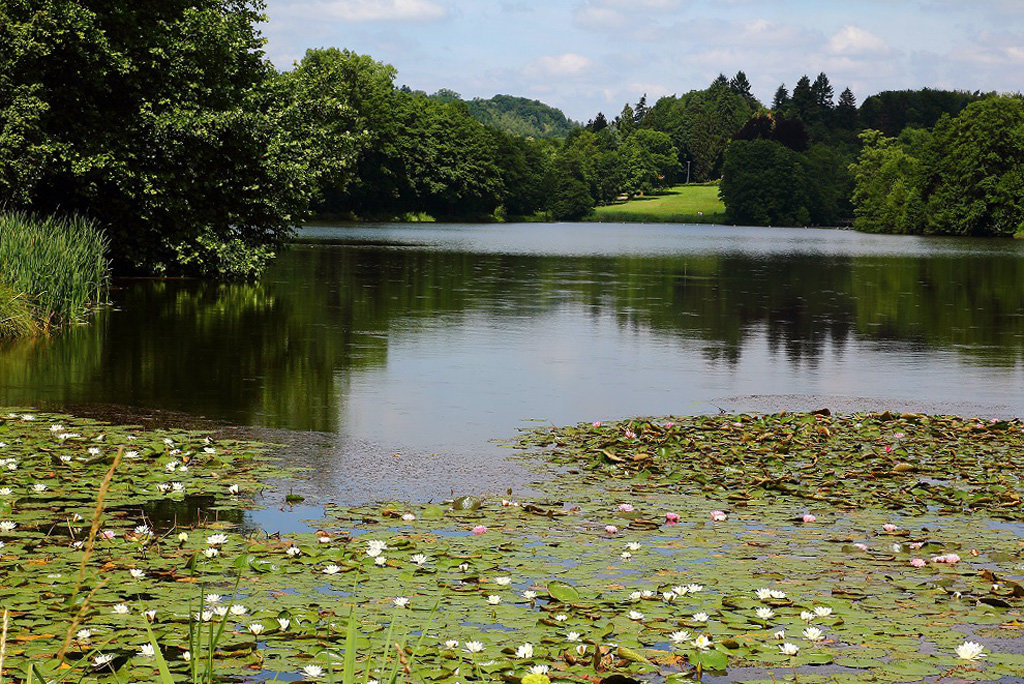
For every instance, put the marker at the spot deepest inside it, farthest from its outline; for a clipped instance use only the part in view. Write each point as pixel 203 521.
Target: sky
pixel 585 56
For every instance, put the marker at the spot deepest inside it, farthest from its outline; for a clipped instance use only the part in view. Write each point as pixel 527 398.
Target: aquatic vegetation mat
pixel 733 548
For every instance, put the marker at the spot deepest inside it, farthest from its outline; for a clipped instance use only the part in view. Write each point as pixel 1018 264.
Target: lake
pixel 390 356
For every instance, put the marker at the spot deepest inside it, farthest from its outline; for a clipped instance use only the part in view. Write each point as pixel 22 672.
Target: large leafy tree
pixel 765 183
pixel 975 170
pixel 157 117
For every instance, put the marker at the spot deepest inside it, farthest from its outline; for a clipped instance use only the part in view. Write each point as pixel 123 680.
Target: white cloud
pixel 567 64
pixel 851 40
pixel 370 10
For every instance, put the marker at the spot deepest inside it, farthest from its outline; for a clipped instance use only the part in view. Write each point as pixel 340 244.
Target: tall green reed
pixel 59 263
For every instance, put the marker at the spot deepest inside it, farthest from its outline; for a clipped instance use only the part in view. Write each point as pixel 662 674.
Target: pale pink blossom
pixel 611 529
pixel 889 527
pixel 950 558
pixel 596 423
pixel 671 518
pixel 718 516
pixel 862 547
pixel 479 529
pixel 626 508
pixel 918 562
pixel 808 517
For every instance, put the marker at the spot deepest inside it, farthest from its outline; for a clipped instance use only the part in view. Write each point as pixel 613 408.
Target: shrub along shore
pixel 53 271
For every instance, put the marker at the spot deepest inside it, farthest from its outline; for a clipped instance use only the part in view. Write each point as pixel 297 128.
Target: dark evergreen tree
pixel 846 110
pixel 598 123
pixel 720 82
pixel 781 100
pixel 822 91
pixel 641 109
pixel 802 104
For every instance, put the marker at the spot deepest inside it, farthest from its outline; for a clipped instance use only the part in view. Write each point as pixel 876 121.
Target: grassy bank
pixel 680 204
pixel 52 271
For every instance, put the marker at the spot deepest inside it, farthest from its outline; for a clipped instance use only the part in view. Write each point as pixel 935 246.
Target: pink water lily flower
pixel 918 562
pixel 626 508
pixel 718 516
pixel 889 527
pixel 479 529
pixel 808 517
pixel 950 558
pixel 862 547
pixel 611 529
pixel 671 518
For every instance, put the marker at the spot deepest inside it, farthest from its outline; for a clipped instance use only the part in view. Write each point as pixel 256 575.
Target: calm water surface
pixel 390 356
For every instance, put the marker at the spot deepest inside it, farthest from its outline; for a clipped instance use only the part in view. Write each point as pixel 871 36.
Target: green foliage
pixel 893 110
pixel 158 119
pixel 521 117
pixel 886 193
pixel 765 183
pixel 53 267
pixel 974 176
pixel 570 200
pixel 963 178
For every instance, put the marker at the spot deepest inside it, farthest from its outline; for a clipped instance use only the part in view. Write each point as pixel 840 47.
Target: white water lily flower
pixel 561 617
pixel 822 611
pixel 293 550
pixel 137 573
pixel 233 489
pixel 789 649
pixel 539 669
pixel 668 596
pixel 171 466
pixel 401 601
pixel 332 569
pixel 647 593
pixel 807 615
pixel 186 656
pixel 83 635
pixel 581 649
pixel 764 613
pixel 474 647
pixel 312 672
pixel 56 427
pixel 142 530
pixel 451 643
pixel 573 637
pixel 494 599
pixel 763 594
pixel 464 567
pixel 694 588
pixel 636 615
pixel 256 628
pixel 777 594
pixel 183 537
pixel 238 609
pixel 131 454
pixel 211 552
pixel 39 488
pixel 702 642
pixel 212 599
pixel 408 517
pixel 163 487
pixel 146 651
pixel 283 623
pixel 529 595
pixel 380 560
pixel 680 590
pixel 7 525
pixel 204 616
pixel 102 659
pixel 324 539
pixel 374 547
pixel 93 451
pixel 633 546
pixel 120 609
pixel 419 559
pixel 680 637
pixel 970 650
pixel 150 615
pixel 5 491
pixel 813 634
pixel 65 458
pixel 220 611
pixel 780 635
pixel 635 595
pixel 503 581
pixel 525 651
pixel 700 617
pixel 217 539
pixel 625 555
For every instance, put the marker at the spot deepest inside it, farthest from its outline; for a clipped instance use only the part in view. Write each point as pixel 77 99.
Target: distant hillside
pixel 516 115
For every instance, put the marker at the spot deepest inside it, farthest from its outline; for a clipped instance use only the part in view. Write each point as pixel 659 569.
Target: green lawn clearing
pixel 679 204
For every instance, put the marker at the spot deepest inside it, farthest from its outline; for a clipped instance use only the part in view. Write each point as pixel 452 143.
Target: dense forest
pixel 164 122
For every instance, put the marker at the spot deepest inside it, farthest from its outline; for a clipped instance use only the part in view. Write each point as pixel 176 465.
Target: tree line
pixel 164 121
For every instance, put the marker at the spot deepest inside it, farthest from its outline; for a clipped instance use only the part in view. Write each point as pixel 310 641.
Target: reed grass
pixel 54 266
